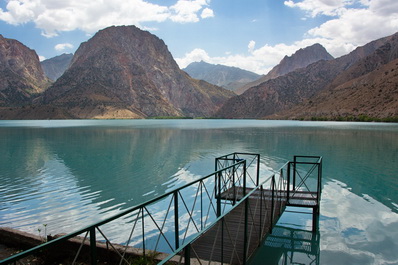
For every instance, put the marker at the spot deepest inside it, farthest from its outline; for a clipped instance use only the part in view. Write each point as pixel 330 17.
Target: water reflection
pixel 71 173
pixel 287 245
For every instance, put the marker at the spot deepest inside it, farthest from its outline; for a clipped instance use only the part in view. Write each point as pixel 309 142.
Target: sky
pixel 250 34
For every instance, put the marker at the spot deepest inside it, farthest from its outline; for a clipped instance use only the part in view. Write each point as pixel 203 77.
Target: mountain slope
pixel 286 91
pixel 21 75
pixel 369 89
pixel 135 75
pixel 227 77
pixel 56 66
pixel 300 59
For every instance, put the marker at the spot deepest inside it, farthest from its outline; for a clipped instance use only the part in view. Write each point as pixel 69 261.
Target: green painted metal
pixel 93 247
pixel 231 172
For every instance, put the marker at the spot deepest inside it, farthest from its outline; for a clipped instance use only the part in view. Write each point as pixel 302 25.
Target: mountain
pixel 287 91
pixel 227 77
pixel 21 75
pixel 300 59
pixel 56 66
pixel 368 90
pixel 133 77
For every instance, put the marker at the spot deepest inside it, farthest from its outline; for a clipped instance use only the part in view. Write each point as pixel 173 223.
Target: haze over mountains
pixel 136 77
pixel 55 67
pixel 231 78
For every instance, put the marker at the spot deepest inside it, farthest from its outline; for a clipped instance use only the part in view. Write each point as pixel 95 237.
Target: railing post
pixel 261 214
pixel 176 228
pixel 222 240
pixel 272 202
pixel 233 186
pixel 219 194
pixel 258 170
pixel 288 182
pixel 244 178
pixel 245 239
pixel 187 255
pixel 93 246
pixel 294 172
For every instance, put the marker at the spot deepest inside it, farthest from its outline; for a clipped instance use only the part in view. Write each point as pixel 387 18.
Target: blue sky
pixel 250 34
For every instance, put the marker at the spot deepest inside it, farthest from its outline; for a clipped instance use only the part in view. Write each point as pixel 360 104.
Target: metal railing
pixel 236 234
pixel 305 180
pixel 220 218
pixel 162 224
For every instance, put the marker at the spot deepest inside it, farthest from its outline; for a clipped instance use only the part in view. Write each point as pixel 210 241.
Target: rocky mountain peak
pixel 284 92
pixel 301 58
pixel 131 70
pixel 21 75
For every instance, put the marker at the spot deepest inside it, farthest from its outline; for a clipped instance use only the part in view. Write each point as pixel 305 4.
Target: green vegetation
pixel 168 118
pixel 359 118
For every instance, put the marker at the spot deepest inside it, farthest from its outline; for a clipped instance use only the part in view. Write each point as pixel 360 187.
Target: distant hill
pixel 227 77
pixel 21 75
pixel 283 93
pixel 56 66
pixel 133 77
pixel 300 59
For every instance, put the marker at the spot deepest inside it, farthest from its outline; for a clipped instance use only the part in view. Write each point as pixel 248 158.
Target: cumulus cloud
pixel 251 45
pixel 350 27
pixel 352 23
pixel 187 11
pixel 63 46
pixel 89 16
pixel 207 12
pixel 321 7
pixel 259 61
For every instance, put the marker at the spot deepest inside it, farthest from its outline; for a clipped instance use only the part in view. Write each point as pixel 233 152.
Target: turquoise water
pixel 68 174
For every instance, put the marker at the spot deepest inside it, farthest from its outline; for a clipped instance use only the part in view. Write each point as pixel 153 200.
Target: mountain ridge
pixel 136 75
pixel 224 76
pixel 284 92
pixel 21 75
pixel 300 59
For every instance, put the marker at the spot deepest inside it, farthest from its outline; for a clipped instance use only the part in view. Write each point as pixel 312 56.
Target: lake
pixel 64 175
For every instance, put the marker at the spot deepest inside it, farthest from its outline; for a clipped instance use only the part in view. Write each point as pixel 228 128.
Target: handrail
pixel 221 192
pixel 91 228
pixel 276 199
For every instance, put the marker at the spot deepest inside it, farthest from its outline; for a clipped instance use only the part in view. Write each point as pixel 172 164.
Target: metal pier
pixel 221 218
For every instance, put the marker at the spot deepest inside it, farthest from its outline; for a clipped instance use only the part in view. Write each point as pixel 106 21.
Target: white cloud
pixel 251 45
pixel 262 59
pixel 259 61
pixel 41 58
pixel 187 11
pixel 347 29
pixel 206 13
pixel 350 27
pixel 63 46
pixel 321 7
pixel 89 16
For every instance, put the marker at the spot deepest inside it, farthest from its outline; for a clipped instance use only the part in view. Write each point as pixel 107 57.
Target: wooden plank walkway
pixel 225 241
